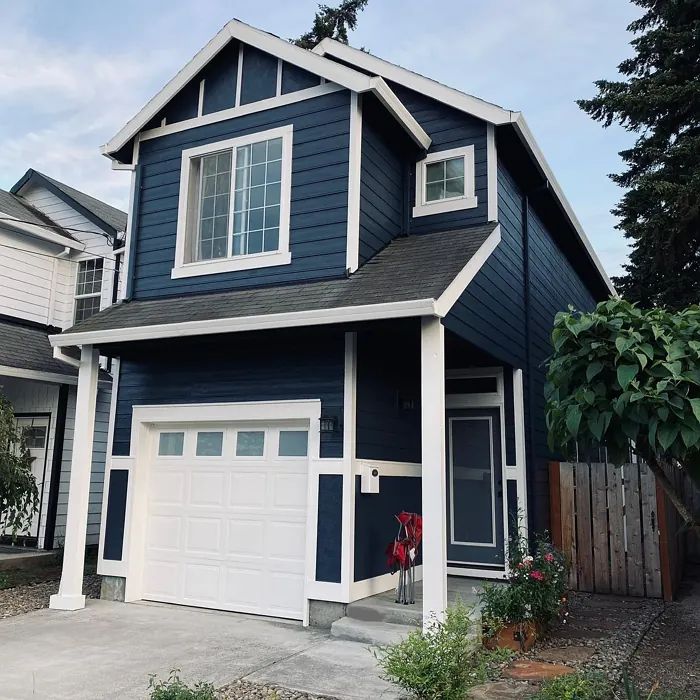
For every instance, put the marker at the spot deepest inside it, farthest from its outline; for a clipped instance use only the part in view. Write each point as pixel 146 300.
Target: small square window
pixel 171 444
pixel 293 443
pixel 250 443
pixel 209 444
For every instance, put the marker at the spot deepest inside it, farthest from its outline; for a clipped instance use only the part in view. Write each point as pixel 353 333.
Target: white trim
pixel 332 71
pixel 344 314
pixel 59 355
pixel 124 271
pixel 476 572
pixel 37 375
pixel 378 584
pixel 520 454
pixel 347 570
pixel 352 260
pixel 470 105
pixel 456 288
pixel 466 201
pixel 278 86
pixel 242 110
pixel 200 99
pixel 491 173
pixel 397 109
pixel 388 468
pixel 281 256
pixel 239 76
pixel 467 103
pixel 40 232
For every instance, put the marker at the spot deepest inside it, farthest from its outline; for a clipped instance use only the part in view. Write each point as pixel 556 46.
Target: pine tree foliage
pixel 332 23
pixel 659 99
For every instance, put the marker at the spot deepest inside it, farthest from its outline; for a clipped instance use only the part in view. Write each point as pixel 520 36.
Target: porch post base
pixel 59 601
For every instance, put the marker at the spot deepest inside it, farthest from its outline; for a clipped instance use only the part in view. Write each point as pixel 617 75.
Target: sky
pixel 73 72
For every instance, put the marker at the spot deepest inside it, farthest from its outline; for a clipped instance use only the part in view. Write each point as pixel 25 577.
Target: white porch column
pixel 432 352
pixel 70 593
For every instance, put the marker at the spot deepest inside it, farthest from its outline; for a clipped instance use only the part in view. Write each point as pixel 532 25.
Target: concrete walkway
pixel 109 649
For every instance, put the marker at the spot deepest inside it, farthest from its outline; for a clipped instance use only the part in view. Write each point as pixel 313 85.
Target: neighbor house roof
pixel 417 275
pixel 108 218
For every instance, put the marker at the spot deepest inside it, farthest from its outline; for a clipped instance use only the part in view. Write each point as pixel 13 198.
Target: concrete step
pixel 370 632
pixel 383 609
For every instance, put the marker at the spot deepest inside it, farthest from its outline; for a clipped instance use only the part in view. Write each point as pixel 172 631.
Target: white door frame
pixel 484 400
pixel 144 420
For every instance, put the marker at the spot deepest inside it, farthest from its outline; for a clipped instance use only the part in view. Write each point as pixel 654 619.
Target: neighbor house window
pixel 234 204
pixel 88 289
pixel 445 182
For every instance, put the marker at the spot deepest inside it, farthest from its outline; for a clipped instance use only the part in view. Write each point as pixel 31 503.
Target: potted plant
pixel 516 613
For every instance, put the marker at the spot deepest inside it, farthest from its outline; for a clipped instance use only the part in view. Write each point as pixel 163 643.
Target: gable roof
pixel 474 106
pixel 108 218
pixel 330 70
pixel 419 275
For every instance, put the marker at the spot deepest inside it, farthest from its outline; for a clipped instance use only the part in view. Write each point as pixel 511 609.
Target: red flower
pixel 549 557
pixel 537 575
pixel 404 518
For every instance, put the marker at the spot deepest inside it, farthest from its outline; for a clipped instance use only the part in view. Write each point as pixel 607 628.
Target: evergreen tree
pixel 332 23
pixel 659 99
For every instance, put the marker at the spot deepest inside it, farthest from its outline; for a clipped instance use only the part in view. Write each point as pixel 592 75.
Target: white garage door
pixel 226 525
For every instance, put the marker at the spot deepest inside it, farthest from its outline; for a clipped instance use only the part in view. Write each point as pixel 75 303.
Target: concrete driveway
pixel 109 649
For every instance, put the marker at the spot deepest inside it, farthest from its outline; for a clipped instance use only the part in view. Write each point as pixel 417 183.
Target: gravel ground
pixel 669 652
pixel 244 690
pixel 24 599
pixel 601 632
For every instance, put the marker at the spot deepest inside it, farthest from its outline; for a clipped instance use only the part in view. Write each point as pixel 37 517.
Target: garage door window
pixel 250 443
pixel 293 443
pixel 209 444
pixel 171 444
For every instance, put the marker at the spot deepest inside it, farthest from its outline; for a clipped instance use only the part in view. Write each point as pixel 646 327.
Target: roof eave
pixel 43 233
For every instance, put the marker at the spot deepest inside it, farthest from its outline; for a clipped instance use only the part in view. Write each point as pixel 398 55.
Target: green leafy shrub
pixel 633 693
pixel 535 589
pixel 576 686
pixel 175 689
pixel 442 662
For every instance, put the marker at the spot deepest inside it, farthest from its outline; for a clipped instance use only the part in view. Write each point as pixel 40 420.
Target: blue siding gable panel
pixel 448 128
pixel 269 366
pixel 318 223
pixel 220 78
pixel 259 75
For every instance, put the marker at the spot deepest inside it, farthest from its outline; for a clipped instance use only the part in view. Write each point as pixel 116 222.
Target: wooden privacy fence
pixel 617 528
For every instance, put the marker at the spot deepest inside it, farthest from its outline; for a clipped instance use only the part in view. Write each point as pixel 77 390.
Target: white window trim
pixel 91 295
pixel 467 201
pixel 281 256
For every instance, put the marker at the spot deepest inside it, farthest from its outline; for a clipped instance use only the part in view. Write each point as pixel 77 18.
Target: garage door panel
pixel 228 532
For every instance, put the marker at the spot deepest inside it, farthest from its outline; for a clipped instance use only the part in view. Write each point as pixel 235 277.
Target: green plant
pixel 535 589
pixel 19 495
pixel 633 693
pixel 625 378
pixel 175 689
pixel 576 686
pixel 443 661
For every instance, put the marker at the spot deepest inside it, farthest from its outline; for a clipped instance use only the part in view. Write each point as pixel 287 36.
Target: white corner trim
pixel 491 173
pixel 455 289
pixel 281 256
pixel 520 454
pixel 240 111
pixel 38 375
pixel 529 141
pixel 397 109
pixel 466 201
pixel 200 98
pixel 239 77
pixel 466 103
pixel 318 317
pixel 352 251
pixel 41 232
pixel 124 268
pixel 347 567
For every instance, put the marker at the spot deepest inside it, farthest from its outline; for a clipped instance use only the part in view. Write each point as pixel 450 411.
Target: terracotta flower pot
pixel 518 636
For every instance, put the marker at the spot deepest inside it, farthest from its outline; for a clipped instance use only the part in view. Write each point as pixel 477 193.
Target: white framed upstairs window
pixel 234 204
pixel 88 288
pixel 445 181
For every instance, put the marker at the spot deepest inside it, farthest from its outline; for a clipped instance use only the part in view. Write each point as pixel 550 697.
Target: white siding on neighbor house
pixel 28 396
pixel 97 245
pixel 99 451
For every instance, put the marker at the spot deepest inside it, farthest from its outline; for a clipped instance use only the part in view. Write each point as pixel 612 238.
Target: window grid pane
pixel 86 307
pixel 214 205
pixel 444 179
pixel 256 206
pixel 89 279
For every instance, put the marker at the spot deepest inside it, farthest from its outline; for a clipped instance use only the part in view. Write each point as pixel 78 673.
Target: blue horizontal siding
pixel 329 532
pixel 269 366
pixel 318 221
pixel 448 128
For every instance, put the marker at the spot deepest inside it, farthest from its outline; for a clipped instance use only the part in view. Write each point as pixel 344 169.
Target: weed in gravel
pixel 576 686
pixel 175 689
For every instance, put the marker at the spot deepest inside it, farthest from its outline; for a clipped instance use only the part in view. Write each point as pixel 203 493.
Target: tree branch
pixel 670 490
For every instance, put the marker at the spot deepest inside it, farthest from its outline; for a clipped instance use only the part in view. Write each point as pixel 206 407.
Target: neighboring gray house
pixel 59 253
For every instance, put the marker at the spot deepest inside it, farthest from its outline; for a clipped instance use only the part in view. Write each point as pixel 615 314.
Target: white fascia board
pixel 37 375
pixel 466 103
pixel 530 143
pixel 330 70
pixel 455 289
pixel 397 109
pixel 41 232
pixel 345 314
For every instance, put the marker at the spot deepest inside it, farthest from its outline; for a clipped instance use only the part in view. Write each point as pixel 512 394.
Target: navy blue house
pixel 341 283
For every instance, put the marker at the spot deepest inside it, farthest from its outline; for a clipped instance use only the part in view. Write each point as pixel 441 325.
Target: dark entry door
pixel 474 487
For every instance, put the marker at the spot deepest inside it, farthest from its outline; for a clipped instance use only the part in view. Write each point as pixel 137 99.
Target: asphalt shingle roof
pixel 17 208
pixel 28 347
pixel 409 268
